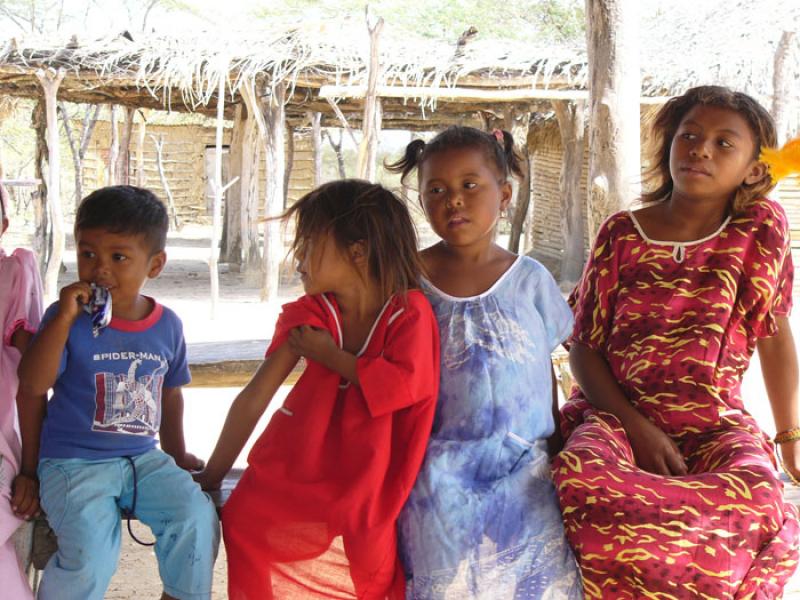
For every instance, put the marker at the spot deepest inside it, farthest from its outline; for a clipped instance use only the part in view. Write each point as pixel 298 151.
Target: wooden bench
pixel 37 542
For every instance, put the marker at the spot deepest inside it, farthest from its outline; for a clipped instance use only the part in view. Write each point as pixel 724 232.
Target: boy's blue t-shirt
pixel 106 400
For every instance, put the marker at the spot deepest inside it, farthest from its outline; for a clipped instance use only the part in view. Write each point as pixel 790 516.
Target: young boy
pixel 112 392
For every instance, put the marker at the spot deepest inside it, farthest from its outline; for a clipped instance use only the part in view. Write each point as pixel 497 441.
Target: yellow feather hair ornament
pixel 782 162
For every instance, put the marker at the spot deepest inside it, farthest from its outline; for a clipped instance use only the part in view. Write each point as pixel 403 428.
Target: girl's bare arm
pixel 654 450
pixel 778 356
pixel 245 412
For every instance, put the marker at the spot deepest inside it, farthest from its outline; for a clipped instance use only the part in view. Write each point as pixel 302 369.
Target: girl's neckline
pixel 649 240
pixel 483 294
pixel 334 308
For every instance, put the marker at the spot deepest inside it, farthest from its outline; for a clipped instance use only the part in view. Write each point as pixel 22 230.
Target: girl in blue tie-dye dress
pixel 483 521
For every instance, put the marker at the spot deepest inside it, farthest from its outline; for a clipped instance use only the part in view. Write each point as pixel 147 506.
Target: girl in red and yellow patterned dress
pixel 667 485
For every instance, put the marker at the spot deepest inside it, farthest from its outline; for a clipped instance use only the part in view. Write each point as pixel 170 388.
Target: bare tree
pixel 79 141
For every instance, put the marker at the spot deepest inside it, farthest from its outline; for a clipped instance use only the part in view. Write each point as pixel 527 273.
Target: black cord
pixel 129 514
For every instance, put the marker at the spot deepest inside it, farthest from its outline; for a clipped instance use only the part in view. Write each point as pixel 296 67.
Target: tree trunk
pixel 275 119
pixel 781 95
pixel 254 131
pixel 572 125
pixel 124 158
pixel 113 151
pixel 50 80
pixel 614 92
pixel 42 241
pixel 316 135
pixel 287 174
pixel 159 144
pixel 79 147
pixel 231 251
pixel 522 205
pixel 141 177
pixel 337 150
pixel 216 222
pixel 368 149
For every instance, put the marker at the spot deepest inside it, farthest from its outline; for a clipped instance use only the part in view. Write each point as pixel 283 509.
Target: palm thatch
pixel 689 43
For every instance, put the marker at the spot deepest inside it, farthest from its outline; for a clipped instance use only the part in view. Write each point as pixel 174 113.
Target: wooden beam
pixel 461 94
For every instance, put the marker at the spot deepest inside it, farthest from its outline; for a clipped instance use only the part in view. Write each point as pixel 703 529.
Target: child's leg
pixel 245 542
pixel 374 566
pixel 738 461
pixel 14 584
pixel 80 499
pixel 183 519
pixel 636 534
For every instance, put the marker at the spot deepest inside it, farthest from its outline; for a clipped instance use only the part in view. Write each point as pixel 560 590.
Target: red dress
pixel 677 324
pixel 314 513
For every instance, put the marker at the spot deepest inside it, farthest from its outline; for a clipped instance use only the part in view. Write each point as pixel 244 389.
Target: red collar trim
pixel 142 324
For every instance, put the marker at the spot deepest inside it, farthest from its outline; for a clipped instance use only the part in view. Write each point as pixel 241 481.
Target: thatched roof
pixel 690 43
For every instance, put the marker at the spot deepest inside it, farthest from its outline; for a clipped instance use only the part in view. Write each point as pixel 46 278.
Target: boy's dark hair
pixel 498 147
pixel 665 125
pixel 125 209
pixel 352 210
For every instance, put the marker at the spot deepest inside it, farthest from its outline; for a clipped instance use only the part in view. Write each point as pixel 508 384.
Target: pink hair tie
pixel 498 135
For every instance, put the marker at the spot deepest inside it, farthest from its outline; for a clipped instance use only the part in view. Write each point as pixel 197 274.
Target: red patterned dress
pixel 677 324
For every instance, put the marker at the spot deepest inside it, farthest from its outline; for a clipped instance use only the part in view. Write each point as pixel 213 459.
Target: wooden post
pixel 316 136
pixel 231 251
pixel 275 159
pixel 141 176
pixel 572 125
pixel 113 151
pixel 41 239
pixel 614 92
pixel 781 95
pixel 523 201
pixel 368 150
pixel 159 144
pixel 213 256
pixel 124 157
pixel 254 133
pixel 50 80
pixel 287 171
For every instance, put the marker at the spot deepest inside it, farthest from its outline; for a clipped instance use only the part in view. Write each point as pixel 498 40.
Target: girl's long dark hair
pixel 352 210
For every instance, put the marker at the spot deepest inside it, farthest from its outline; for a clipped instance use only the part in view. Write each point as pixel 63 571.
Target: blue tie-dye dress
pixel 483 520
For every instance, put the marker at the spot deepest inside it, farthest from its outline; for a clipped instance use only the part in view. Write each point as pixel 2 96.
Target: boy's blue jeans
pixel 83 498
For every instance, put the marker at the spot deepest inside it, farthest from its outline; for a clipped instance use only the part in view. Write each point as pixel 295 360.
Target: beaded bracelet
pixel 791 477
pixel 790 435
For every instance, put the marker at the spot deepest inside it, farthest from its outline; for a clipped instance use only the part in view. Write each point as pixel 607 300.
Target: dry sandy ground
pixel 184 286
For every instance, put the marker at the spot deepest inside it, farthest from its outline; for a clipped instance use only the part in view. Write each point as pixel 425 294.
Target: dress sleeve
pixel 306 310
pixel 24 294
pixel 407 371
pixel 594 297
pixel 552 307
pixel 772 272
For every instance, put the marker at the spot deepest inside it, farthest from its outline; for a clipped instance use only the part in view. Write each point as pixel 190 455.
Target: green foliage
pixel 535 21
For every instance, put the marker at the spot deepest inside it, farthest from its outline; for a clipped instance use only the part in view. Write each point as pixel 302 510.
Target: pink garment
pixel 20 307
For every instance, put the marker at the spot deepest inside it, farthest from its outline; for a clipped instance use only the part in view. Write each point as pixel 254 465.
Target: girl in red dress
pixel 667 485
pixel 314 513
